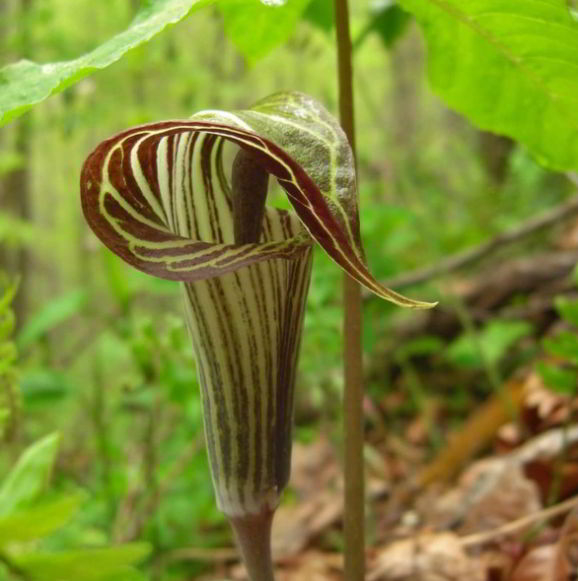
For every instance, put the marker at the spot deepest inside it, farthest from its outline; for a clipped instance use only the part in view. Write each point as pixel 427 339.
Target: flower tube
pixel 159 196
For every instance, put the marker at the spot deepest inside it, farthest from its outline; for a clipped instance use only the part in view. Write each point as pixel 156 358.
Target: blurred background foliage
pixel 103 355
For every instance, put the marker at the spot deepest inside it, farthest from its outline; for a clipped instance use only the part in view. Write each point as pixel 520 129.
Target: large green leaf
pixel 88 565
pixel 25 83
pixel 387 20
pixel 38 521
pixel 54 313
pixel 256 27
pixel 320 13
pixel 509 66
pixel 30 475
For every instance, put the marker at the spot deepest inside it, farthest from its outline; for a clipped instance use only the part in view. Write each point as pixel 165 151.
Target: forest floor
pixel 510 514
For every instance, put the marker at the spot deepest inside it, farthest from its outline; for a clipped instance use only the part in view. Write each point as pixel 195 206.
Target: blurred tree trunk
pixel 16 184
pixel 407 63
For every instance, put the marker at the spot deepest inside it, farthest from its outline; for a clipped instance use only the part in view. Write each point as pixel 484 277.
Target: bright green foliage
pixel 256 28
pixel 25 516
pixel 51 315
pixel 143 372
pixel 26 83
pixel 557 378
pixel 320 13
pixel 568 310
pixel 110 564
pixel 510 67
pixel 489 346
pixel 564 347
pixel 38 521
pixel 29 477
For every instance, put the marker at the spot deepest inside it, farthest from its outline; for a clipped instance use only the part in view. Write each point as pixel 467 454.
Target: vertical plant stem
pixel 353 397
pixel 253 534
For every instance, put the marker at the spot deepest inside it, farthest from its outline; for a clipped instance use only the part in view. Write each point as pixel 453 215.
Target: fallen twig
pixel 471 255
pixel 475 434
pixel 520 524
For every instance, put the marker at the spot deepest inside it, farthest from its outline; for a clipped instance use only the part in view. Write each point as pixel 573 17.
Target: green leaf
pixel 387 20
pixel 46 386
pixel 38 521
pixel 510 67
pixel 563 345
pixel 256 27
pixel 490 345
pixel 568 309
pixel 165 226
pixel 29 477
pixel 321 14
pixel 420 347
pixel 25 83
pixel 109 564
pixel 54 313
pixel 557 378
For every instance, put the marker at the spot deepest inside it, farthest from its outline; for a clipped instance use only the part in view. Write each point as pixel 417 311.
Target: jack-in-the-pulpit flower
pixel 160 197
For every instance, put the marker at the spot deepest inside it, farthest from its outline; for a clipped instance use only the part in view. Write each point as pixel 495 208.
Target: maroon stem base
pixel 253 535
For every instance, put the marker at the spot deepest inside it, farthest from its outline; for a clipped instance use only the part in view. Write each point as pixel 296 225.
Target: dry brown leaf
pixel 508 438
pixel 547 446
pixel 542 408
pixel 489 494
pixel 318 484
pixel 313 466
pixel 498 564
pixel 562 477
pixel 566 559
pixel 438 557
pixel 567 239
pixel 308 566
pixel 315 480
pixel 499 496
pixel 294 527
pixel 313 566
pixel 537 565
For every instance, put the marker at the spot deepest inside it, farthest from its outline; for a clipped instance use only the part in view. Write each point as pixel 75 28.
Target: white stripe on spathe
pixel 243 314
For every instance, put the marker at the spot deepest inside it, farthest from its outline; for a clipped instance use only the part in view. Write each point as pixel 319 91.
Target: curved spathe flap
pixel 149 192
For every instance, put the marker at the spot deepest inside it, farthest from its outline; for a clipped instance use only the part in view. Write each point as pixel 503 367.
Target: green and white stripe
pixel 246 329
